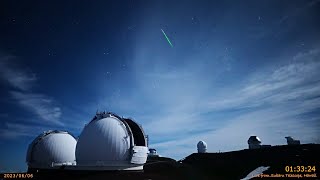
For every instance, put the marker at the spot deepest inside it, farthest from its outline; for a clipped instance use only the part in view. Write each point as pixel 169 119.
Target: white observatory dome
pixel 202 147
pixel 153 153
pixel 109 142
pixel 51 149
pixel 254 142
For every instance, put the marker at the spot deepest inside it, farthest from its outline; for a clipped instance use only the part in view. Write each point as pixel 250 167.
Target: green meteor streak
pixel 166 37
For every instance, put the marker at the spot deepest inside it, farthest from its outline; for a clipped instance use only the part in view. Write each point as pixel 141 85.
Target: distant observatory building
pixel 153 153
pixel 110 142
pixel 292 141
pixel 254 142
pixel 202 147
pixel 50 150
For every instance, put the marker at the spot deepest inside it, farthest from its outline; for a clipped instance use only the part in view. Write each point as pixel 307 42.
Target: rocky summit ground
pixel 204 166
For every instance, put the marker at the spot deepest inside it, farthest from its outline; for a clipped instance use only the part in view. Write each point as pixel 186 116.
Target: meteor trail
pixel 166 37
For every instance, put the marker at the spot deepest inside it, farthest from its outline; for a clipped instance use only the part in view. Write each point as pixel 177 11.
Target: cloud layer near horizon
pixel 272 103
pixel 22 83
pixel 181 107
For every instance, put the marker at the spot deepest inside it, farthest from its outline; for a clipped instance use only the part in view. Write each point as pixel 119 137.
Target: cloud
pixel 271 125
pixel 296 80
pixel 193 106
pixel 44 107
pixel 39 104
pixel 20 79
pixel 16 130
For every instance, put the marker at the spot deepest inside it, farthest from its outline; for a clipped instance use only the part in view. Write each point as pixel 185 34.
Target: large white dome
pixel 50 149
pixel 103 140
pixel 109 140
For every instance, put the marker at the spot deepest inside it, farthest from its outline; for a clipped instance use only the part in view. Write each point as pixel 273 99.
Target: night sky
pixel 236 68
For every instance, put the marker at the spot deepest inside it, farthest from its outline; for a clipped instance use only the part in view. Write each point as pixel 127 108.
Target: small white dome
pixel 153 152
pixel 254 140
pixel 51 148
pixel 202 147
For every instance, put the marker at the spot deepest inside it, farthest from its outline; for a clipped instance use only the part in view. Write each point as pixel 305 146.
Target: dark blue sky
pixel 236 68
